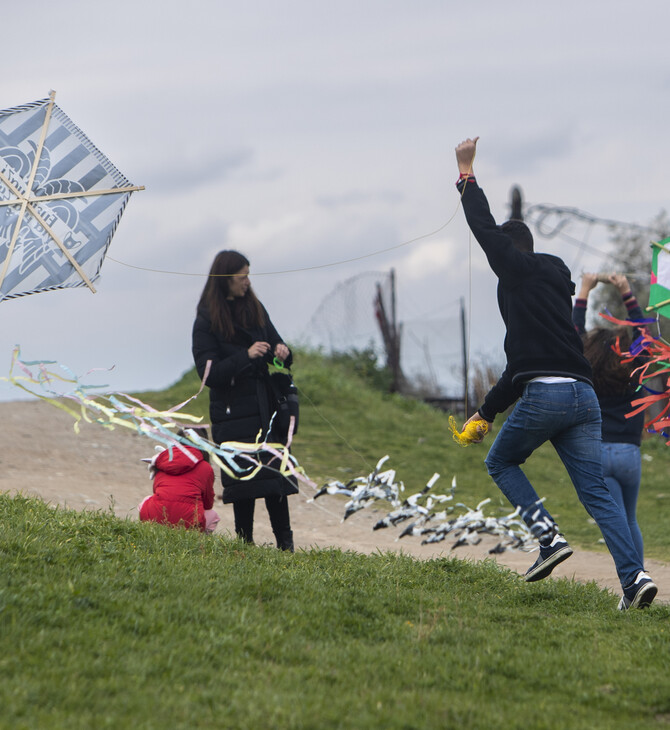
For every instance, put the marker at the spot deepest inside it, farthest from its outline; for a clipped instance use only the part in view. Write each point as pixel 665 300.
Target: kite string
pixel 468 331
pixel 331 425
pixel 339 262
pixel 468 328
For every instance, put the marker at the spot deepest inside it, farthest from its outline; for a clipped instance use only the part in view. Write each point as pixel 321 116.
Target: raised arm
pixel 589 282
pixel 508 263
pixel 633 309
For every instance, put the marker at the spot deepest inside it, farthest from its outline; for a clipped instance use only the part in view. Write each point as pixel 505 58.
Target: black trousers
pixel 277 507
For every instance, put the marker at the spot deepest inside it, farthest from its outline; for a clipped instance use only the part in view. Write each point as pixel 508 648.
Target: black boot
pixel 243 510
pixel 285 540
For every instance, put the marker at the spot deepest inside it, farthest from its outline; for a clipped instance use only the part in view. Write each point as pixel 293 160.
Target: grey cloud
pixel 183 174
pixel 526 153
pixel 355 197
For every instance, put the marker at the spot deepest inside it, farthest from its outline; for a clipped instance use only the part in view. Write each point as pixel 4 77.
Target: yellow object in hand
pixel 472 432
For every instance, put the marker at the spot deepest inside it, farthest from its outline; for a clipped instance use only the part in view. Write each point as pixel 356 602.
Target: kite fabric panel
pixel 659 292
pixel 47 164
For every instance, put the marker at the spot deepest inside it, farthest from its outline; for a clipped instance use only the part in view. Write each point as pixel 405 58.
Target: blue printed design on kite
pixel 53 234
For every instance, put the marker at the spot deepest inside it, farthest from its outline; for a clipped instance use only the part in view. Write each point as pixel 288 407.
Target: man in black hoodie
pixel 549 378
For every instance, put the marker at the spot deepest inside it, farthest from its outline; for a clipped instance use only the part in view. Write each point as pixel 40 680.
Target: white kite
pixel 61 200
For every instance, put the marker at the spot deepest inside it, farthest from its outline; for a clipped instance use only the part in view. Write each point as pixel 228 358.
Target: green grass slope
pixel 108 623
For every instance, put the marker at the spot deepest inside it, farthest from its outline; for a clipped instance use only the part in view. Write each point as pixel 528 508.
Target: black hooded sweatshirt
pixel 535 301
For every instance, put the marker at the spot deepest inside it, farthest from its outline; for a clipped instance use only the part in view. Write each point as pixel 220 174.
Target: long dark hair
pixel 246 310
pixel 611 376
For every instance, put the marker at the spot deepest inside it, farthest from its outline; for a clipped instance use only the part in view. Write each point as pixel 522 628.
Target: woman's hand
pixel 258 349
pixel 281 351
pixel 589 281
pixel 620 282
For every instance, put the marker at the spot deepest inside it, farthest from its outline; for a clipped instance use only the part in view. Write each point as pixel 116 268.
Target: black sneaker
pixel 550 556
pixel 638 594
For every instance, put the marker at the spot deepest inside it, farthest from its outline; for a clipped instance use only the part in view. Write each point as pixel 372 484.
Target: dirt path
pixel 43 456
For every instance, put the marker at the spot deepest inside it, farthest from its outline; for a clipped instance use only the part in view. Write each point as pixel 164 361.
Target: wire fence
pixel 430 355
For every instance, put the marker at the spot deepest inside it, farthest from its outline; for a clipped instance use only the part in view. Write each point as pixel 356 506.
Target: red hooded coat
pixel 183 489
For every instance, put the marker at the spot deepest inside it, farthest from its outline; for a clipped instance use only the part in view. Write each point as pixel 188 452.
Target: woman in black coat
pixel 232 329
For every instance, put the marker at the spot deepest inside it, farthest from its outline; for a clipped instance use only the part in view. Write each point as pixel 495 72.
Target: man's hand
pixel 465 155
pixel 481 432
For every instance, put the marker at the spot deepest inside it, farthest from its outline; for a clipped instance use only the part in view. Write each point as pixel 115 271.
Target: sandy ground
pixel 42 456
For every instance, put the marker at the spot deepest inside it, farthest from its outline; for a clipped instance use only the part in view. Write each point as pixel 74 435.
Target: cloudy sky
pixel 316 138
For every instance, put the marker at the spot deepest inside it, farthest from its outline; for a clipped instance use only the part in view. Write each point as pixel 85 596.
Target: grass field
pixel 108 623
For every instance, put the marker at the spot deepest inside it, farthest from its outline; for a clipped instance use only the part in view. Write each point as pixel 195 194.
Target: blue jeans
pixel 568 415
pixel 622 470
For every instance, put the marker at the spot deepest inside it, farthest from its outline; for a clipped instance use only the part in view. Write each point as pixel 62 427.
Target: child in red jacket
pixel 183 490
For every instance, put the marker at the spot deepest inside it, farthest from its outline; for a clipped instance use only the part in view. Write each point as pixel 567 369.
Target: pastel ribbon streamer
pixel 239 460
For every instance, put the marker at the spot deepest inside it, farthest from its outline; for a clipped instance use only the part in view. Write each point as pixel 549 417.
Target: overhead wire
pixel 315 267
